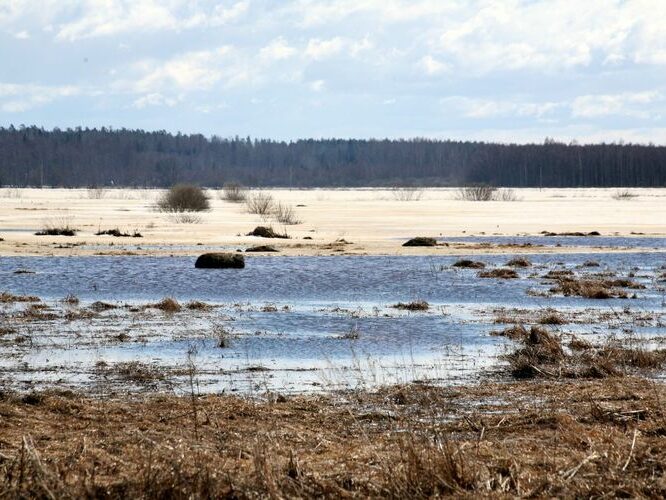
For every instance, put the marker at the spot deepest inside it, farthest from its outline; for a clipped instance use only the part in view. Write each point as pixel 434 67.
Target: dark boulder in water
pixel 220 261
pixel 420 241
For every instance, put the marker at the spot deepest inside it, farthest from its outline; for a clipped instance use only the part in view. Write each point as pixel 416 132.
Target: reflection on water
pixel 288 323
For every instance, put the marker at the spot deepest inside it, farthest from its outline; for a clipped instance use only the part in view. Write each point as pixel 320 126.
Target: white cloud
pixel 627 103
pixel 432 66
pixel 488 108
pixel 187 72
pixel 154 99
pixel 16 98
pixel 22 35
pixel 101 18
pixel 320 49
pixel 277 50
pixel 317 85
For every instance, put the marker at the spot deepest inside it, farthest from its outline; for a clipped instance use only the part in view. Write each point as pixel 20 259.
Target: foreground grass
pixel 581 437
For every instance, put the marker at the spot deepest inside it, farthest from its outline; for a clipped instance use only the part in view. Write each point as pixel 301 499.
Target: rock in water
pixel 220 261
pixel 420 241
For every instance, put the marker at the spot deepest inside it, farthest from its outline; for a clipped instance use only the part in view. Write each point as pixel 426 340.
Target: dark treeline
pixel 31 156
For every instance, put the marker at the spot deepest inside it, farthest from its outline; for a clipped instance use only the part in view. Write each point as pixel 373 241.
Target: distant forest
pixel 32 156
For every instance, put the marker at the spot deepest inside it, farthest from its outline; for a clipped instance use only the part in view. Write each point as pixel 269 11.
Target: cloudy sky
pixel 507 70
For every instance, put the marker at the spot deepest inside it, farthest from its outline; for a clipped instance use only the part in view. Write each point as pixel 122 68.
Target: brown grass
pixel 196 305
pixel 168 305
pixel 469 264
pixel 593 288
pixel 417 305
pixel 582 438
pixel 551 318
pixel 8 298
pixel 501 273
pixel 519 262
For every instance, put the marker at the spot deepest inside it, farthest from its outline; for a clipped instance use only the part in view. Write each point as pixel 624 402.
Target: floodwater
pixel 293 323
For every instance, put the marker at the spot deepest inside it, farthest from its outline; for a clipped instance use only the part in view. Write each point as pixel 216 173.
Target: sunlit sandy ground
pixel 372 219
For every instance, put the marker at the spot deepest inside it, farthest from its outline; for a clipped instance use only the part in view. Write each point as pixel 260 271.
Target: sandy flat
pixel 373 220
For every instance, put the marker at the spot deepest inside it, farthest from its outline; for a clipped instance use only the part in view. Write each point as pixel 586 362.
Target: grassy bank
pixel 581 437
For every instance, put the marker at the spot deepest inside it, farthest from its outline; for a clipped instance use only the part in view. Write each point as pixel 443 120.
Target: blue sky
pixel 509 70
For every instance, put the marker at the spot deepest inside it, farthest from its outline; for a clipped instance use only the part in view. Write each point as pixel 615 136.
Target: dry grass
pixel 539 353
pixel 592 288
pixel 624 194
pixel 197 305
pixel 551 318
pixel 501 273
pixel 267 232
pixel 59 226
pixel 168 305
pixel 469 264
pixel 8 298
pixel 519 262
pixel 582 438
pixel 417 305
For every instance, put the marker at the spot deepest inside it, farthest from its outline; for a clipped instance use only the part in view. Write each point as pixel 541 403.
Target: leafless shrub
pixel 623 194
pixel 260 204
pixel 186 218
pixel 184 198
pixel 478 192
pixel 406 193
pixel 11 193
pixel 234 192
pixel 285 214
pixel 96 193
pixel 505 194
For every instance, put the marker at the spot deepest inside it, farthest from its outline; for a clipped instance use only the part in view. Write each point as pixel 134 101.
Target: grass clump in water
pixel 417 305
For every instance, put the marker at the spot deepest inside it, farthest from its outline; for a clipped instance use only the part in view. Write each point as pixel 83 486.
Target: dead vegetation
pixel 285 214
pixel 260 204
pixel 478 192
pixel 540 353
pixel 267 232
pixel 406 193
pixel 591 288
pixel 117 233
pixel 469 264
pixel 184 198
pixel 571 438
pixel 167 305
pixel 8 298
pixel 500 273
pixel 58 227
pixel 234 192
pixel 417 305
pixel 519 262
pixel 197 305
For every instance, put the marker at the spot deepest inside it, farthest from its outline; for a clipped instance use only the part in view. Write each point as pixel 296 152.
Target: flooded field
pixel 295 324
